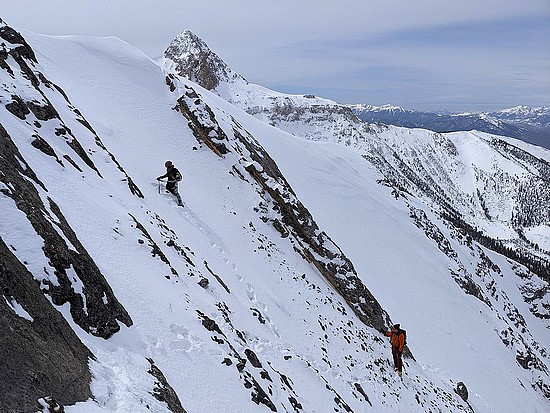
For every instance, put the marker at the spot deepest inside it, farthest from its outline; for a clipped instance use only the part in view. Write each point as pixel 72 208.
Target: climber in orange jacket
pixel 398 338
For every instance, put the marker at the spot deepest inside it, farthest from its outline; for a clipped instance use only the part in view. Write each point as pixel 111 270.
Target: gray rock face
pixel 195 61
pixel 462 391
pixel 38 358
pixel 103 311
pixel 163 391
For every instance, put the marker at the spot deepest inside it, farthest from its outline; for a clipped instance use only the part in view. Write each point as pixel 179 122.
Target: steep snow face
pixel 464 184
pixel 231 296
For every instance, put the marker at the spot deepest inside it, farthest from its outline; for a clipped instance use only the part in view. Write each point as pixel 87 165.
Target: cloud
pixel 404 52
pixel 459 66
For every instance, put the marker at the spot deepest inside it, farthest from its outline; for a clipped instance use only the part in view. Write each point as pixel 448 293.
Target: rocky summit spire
pixel 194 60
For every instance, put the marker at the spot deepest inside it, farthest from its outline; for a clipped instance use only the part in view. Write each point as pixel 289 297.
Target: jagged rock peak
pixel 193 59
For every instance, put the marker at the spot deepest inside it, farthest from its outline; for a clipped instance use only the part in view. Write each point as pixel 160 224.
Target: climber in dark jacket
pixel 397 339
pixel 173 177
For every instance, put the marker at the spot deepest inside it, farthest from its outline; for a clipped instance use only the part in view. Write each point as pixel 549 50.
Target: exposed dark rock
pixel 43 112
pixel 525 359
pixel 468 285
pixel 253 358
pixel 241 365
pixel 102 312
pixel 217 277
pixel 41 144
pixel 163 391
pixel 535 295
pixel 170 82
pixel 155 249
pixel 209 324
pixel 77 147
pixel 258 314
pixel 203 282
pixel 73 163
pixel 281 228
pixel 259 396
pixel 431 230
pixel 38 358
pixel 360 390
pixel 14 37
pixel 24 56
pixel 198 115
pixel 265 375
pixel 195 61
pixel 3 57
pixel 61 131
pixel 49 405
pixel 18 107
pixel 295 405
pixel 462 391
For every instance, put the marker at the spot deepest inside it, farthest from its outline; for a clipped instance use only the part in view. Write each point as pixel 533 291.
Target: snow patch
pixel 18 309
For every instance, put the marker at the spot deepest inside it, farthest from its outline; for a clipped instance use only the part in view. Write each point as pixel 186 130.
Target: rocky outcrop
pixel 195 61
pixel 40 355
pixel 201 121
pixel 94 308
pixel 163 391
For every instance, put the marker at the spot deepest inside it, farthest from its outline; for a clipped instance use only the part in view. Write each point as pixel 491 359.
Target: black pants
pixel 172 187
pixel 397 361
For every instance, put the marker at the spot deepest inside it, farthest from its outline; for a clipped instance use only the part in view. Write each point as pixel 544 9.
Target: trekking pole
pixel 158 180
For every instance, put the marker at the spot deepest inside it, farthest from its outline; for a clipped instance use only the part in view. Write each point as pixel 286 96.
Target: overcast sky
pixel 456 55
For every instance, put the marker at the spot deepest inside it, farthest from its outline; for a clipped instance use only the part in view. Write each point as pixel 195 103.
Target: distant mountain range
pixel 529 124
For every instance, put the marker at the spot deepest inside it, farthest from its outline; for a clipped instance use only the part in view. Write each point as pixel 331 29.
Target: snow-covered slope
pixel 494 186
pixel 481 186
pixel 253 297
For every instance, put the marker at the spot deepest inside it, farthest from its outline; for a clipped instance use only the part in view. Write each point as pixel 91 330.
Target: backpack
pixel 401 331
pixel 178 175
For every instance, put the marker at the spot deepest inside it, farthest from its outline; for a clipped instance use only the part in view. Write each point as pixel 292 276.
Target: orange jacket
pixel 397 340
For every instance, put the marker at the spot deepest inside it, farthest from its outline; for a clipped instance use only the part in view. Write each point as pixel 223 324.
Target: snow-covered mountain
pixel 486 181
pixel 525 115
pixel 531 125
pixel 267 290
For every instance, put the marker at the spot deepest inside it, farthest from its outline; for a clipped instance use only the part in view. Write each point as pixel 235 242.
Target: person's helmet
pixel 168 163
